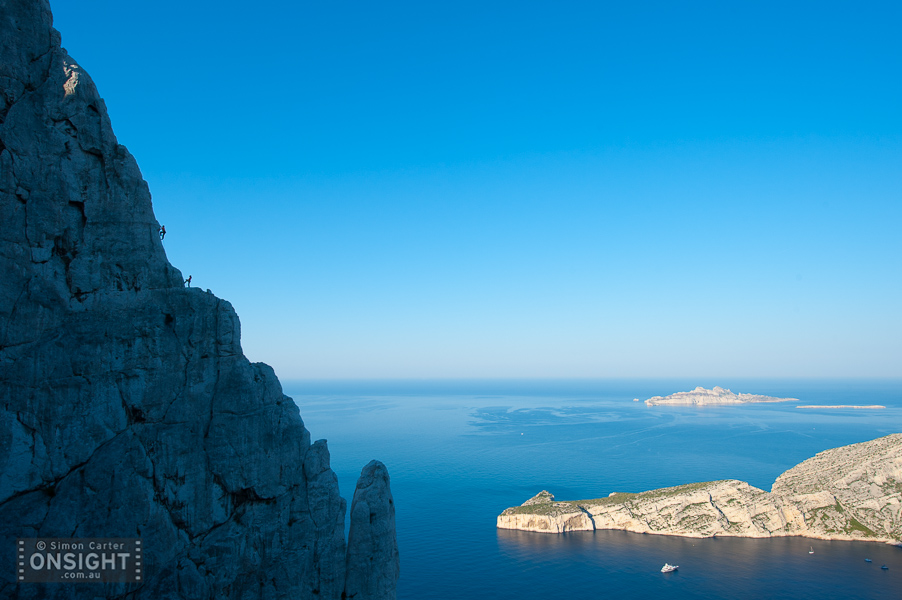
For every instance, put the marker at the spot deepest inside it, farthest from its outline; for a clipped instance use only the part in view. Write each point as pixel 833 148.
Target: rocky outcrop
pixel 852 489
pixel 848 493
pixel 371 539
pixel 541 513
pixel 702 397
pixel 127 408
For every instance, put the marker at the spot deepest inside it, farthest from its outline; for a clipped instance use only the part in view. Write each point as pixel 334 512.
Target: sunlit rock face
pixel 127 408
pixel 848 493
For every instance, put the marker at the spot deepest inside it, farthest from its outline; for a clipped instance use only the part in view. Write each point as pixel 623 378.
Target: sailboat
pixel 810 550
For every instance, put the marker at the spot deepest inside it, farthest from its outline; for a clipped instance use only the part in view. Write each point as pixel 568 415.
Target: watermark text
pixel 101 560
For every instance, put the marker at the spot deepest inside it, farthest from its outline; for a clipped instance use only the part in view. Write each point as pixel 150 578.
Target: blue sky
pixel 523 189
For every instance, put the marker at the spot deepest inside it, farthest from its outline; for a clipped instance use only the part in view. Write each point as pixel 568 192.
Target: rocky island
pixel 127 407
pixel 702 397
pixel 848 493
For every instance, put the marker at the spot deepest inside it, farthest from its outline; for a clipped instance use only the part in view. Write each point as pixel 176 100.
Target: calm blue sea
pixel 460 452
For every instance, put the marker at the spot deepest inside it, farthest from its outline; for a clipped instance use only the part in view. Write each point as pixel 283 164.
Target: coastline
pixel 850 493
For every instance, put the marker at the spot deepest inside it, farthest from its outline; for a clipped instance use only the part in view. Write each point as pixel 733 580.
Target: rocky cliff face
pixel 127 408
pixel 848 493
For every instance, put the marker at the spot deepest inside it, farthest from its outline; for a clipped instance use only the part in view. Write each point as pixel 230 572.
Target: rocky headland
pixel 847 493
pixel 703 397
pixel 127 408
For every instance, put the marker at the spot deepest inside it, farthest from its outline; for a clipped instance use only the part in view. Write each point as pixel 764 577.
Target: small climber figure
pixel 188 281
pixel 162 231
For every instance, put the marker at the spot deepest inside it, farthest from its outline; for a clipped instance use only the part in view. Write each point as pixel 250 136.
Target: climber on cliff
pixel 162 231
pixel 188 281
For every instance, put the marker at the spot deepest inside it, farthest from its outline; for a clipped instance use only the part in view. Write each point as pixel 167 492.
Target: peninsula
pixel 848 493
pixel 702 397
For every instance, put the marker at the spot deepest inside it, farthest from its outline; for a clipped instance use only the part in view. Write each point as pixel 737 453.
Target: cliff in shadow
pixel 127 408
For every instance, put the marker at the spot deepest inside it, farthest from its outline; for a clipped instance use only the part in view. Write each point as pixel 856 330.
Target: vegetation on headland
pixel 851 492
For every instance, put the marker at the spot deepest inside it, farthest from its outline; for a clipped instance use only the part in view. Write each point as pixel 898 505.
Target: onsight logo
pixel 101 560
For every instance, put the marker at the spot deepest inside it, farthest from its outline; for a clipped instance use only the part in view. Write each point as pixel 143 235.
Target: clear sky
pixel 523 189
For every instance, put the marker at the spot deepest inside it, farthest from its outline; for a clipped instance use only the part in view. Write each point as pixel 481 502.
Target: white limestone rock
pixel 848 493
pixel 541 513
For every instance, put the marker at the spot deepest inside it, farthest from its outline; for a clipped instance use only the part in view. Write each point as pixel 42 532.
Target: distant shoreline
pixel 867 406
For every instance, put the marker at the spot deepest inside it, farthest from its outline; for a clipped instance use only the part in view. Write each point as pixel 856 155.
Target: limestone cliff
pixel 848 493
pixel 127 408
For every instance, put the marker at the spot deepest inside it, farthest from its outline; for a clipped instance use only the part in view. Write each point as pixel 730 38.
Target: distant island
pixel 867 406
pixel 702 397
pixel 848 493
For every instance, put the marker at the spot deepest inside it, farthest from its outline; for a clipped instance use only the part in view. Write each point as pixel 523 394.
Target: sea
pixel 461 451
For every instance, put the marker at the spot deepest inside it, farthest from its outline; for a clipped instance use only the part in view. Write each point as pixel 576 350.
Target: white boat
pixel 810 550
pixel 669 568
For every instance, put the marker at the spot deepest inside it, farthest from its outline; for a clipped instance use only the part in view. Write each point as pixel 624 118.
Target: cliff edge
pixel 127 407
pixel 848 493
